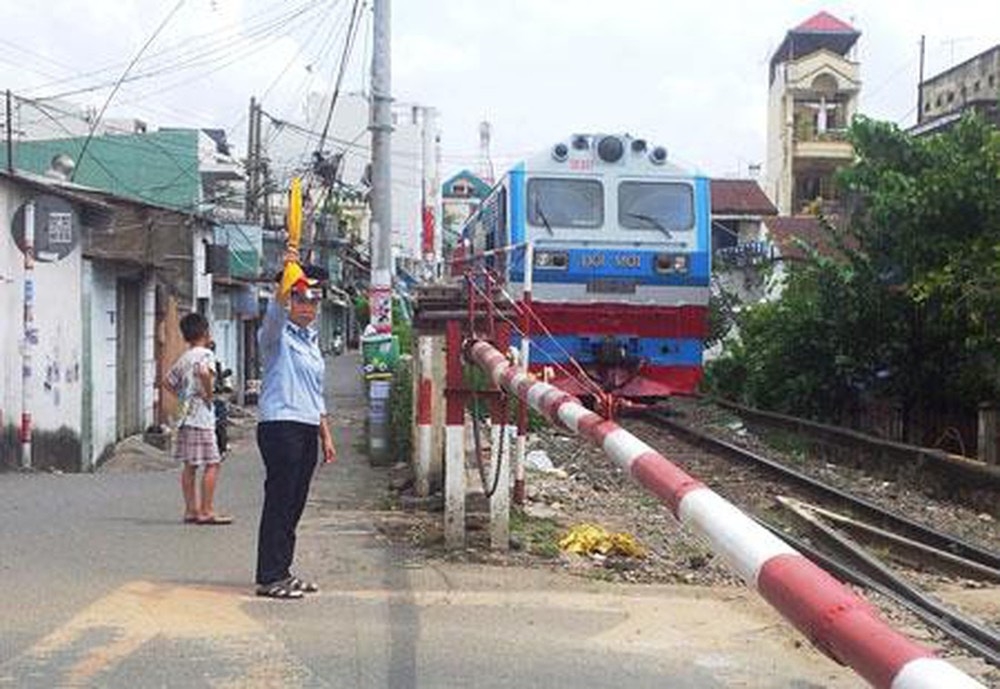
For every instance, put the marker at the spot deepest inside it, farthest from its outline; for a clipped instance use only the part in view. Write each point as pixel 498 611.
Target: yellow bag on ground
pixel 587 539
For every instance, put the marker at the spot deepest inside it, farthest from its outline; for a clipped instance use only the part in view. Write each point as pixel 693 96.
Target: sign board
pixel 57 228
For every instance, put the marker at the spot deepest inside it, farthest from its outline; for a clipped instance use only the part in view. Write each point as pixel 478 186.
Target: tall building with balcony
pixel 814 89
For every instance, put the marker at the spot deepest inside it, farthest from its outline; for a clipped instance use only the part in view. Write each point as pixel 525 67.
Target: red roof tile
pixel 786 232
pixel 740 197
pixel 824 22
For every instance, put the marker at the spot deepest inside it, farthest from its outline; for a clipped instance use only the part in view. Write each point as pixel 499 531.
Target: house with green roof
pixel 188 170
pixel 460 196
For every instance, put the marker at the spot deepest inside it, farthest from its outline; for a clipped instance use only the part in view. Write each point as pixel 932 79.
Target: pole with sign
pixel 380 293
pixel 29 333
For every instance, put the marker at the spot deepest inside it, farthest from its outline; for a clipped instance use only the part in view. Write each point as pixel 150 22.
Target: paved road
pixel 102 586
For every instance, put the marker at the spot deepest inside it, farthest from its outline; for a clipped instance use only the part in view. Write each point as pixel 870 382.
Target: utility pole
pixel 920 83
pixel 27 373
pixel 10 136
pixel 380 290
pixel 253 163
pixel 431 185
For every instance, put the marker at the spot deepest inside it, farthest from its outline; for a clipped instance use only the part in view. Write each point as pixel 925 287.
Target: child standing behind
pixel 192 379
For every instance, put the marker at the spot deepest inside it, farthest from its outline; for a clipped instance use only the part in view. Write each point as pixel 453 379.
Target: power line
pixel 107 102
pixel 185 50
pixel 252 49
pixel 352 30
pixel 345 23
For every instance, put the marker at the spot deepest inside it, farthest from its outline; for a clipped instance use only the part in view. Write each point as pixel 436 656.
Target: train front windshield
pixel 660 206
pixel 565 202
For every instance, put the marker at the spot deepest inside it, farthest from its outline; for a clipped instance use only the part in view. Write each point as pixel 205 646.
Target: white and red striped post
pixel 841 624
pixel 454 441
pixel 500 471
pixel 500 459
pixel 424 400
pixel 27 371
pixel 523 360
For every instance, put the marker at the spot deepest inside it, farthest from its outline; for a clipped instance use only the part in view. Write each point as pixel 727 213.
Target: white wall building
pixel 91 369
pixel 111 277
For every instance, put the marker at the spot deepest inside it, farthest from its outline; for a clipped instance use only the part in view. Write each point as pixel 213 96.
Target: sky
pixel 689 76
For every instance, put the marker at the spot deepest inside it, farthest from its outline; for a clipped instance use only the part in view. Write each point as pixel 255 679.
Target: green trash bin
pixel 379 354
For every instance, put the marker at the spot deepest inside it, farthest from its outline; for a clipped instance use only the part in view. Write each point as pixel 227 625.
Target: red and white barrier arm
pixel 840 623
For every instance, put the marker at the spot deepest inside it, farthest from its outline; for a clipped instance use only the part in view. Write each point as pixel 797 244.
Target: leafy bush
pixel 401 411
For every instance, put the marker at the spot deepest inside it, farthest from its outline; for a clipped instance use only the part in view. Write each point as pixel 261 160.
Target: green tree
pixel 907 307
pixel 928 217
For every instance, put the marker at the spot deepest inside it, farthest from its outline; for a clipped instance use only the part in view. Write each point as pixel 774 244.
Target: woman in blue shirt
pixel 292 424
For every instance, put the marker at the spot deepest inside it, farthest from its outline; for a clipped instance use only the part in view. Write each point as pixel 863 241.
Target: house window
pixel 927 107
pixel 60 228
pixel 992 80
pixel 951 96
pixel 975 87
pixel 938 101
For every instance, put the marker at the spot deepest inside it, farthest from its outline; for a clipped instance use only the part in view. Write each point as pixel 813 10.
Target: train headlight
pixel 658 155
pixel 560 152
pixel 610 149
pixel 555 260
pixel 672 263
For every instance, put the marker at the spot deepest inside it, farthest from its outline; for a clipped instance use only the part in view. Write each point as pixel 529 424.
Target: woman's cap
pixel 316 275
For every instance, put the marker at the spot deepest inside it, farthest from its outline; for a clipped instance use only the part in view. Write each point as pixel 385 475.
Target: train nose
pixel 610 351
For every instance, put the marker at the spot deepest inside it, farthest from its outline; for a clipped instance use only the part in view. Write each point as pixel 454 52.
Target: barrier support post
pixel 500 460
pixel 423 402
pixel 454 464
pixel 522 415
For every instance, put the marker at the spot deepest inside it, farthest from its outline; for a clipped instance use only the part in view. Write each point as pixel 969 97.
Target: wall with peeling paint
pixel 103 352
pixel 11 309
pixel 148 349
pixel 56 374
pixel 102 303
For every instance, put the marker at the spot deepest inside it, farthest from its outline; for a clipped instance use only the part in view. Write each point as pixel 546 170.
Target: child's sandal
pixel 280 589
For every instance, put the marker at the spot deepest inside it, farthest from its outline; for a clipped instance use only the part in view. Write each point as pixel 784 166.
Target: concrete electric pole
pixel 430 214
pixel 380 291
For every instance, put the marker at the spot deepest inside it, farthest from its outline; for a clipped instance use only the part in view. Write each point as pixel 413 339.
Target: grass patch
pixel 540 535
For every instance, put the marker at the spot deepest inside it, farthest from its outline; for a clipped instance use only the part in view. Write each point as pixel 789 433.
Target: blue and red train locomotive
pixel 620 281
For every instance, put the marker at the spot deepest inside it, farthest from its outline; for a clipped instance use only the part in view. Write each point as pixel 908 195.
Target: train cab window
pixel 655 205
pixel 573 203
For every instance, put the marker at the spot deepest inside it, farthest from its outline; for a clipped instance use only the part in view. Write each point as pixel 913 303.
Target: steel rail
pixel 828 613
pixel 971 635
pixel 902 524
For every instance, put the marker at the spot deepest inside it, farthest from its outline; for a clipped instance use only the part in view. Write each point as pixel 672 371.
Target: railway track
pixel 859 506
pixel 844 557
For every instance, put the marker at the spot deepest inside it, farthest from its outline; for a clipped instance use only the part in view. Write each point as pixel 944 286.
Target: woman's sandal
pixel 280 589
pixel 214 520
pixel 303 586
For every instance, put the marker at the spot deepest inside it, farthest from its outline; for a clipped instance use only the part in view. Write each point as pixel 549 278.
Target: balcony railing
pixel 809 135
pixel 744 254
